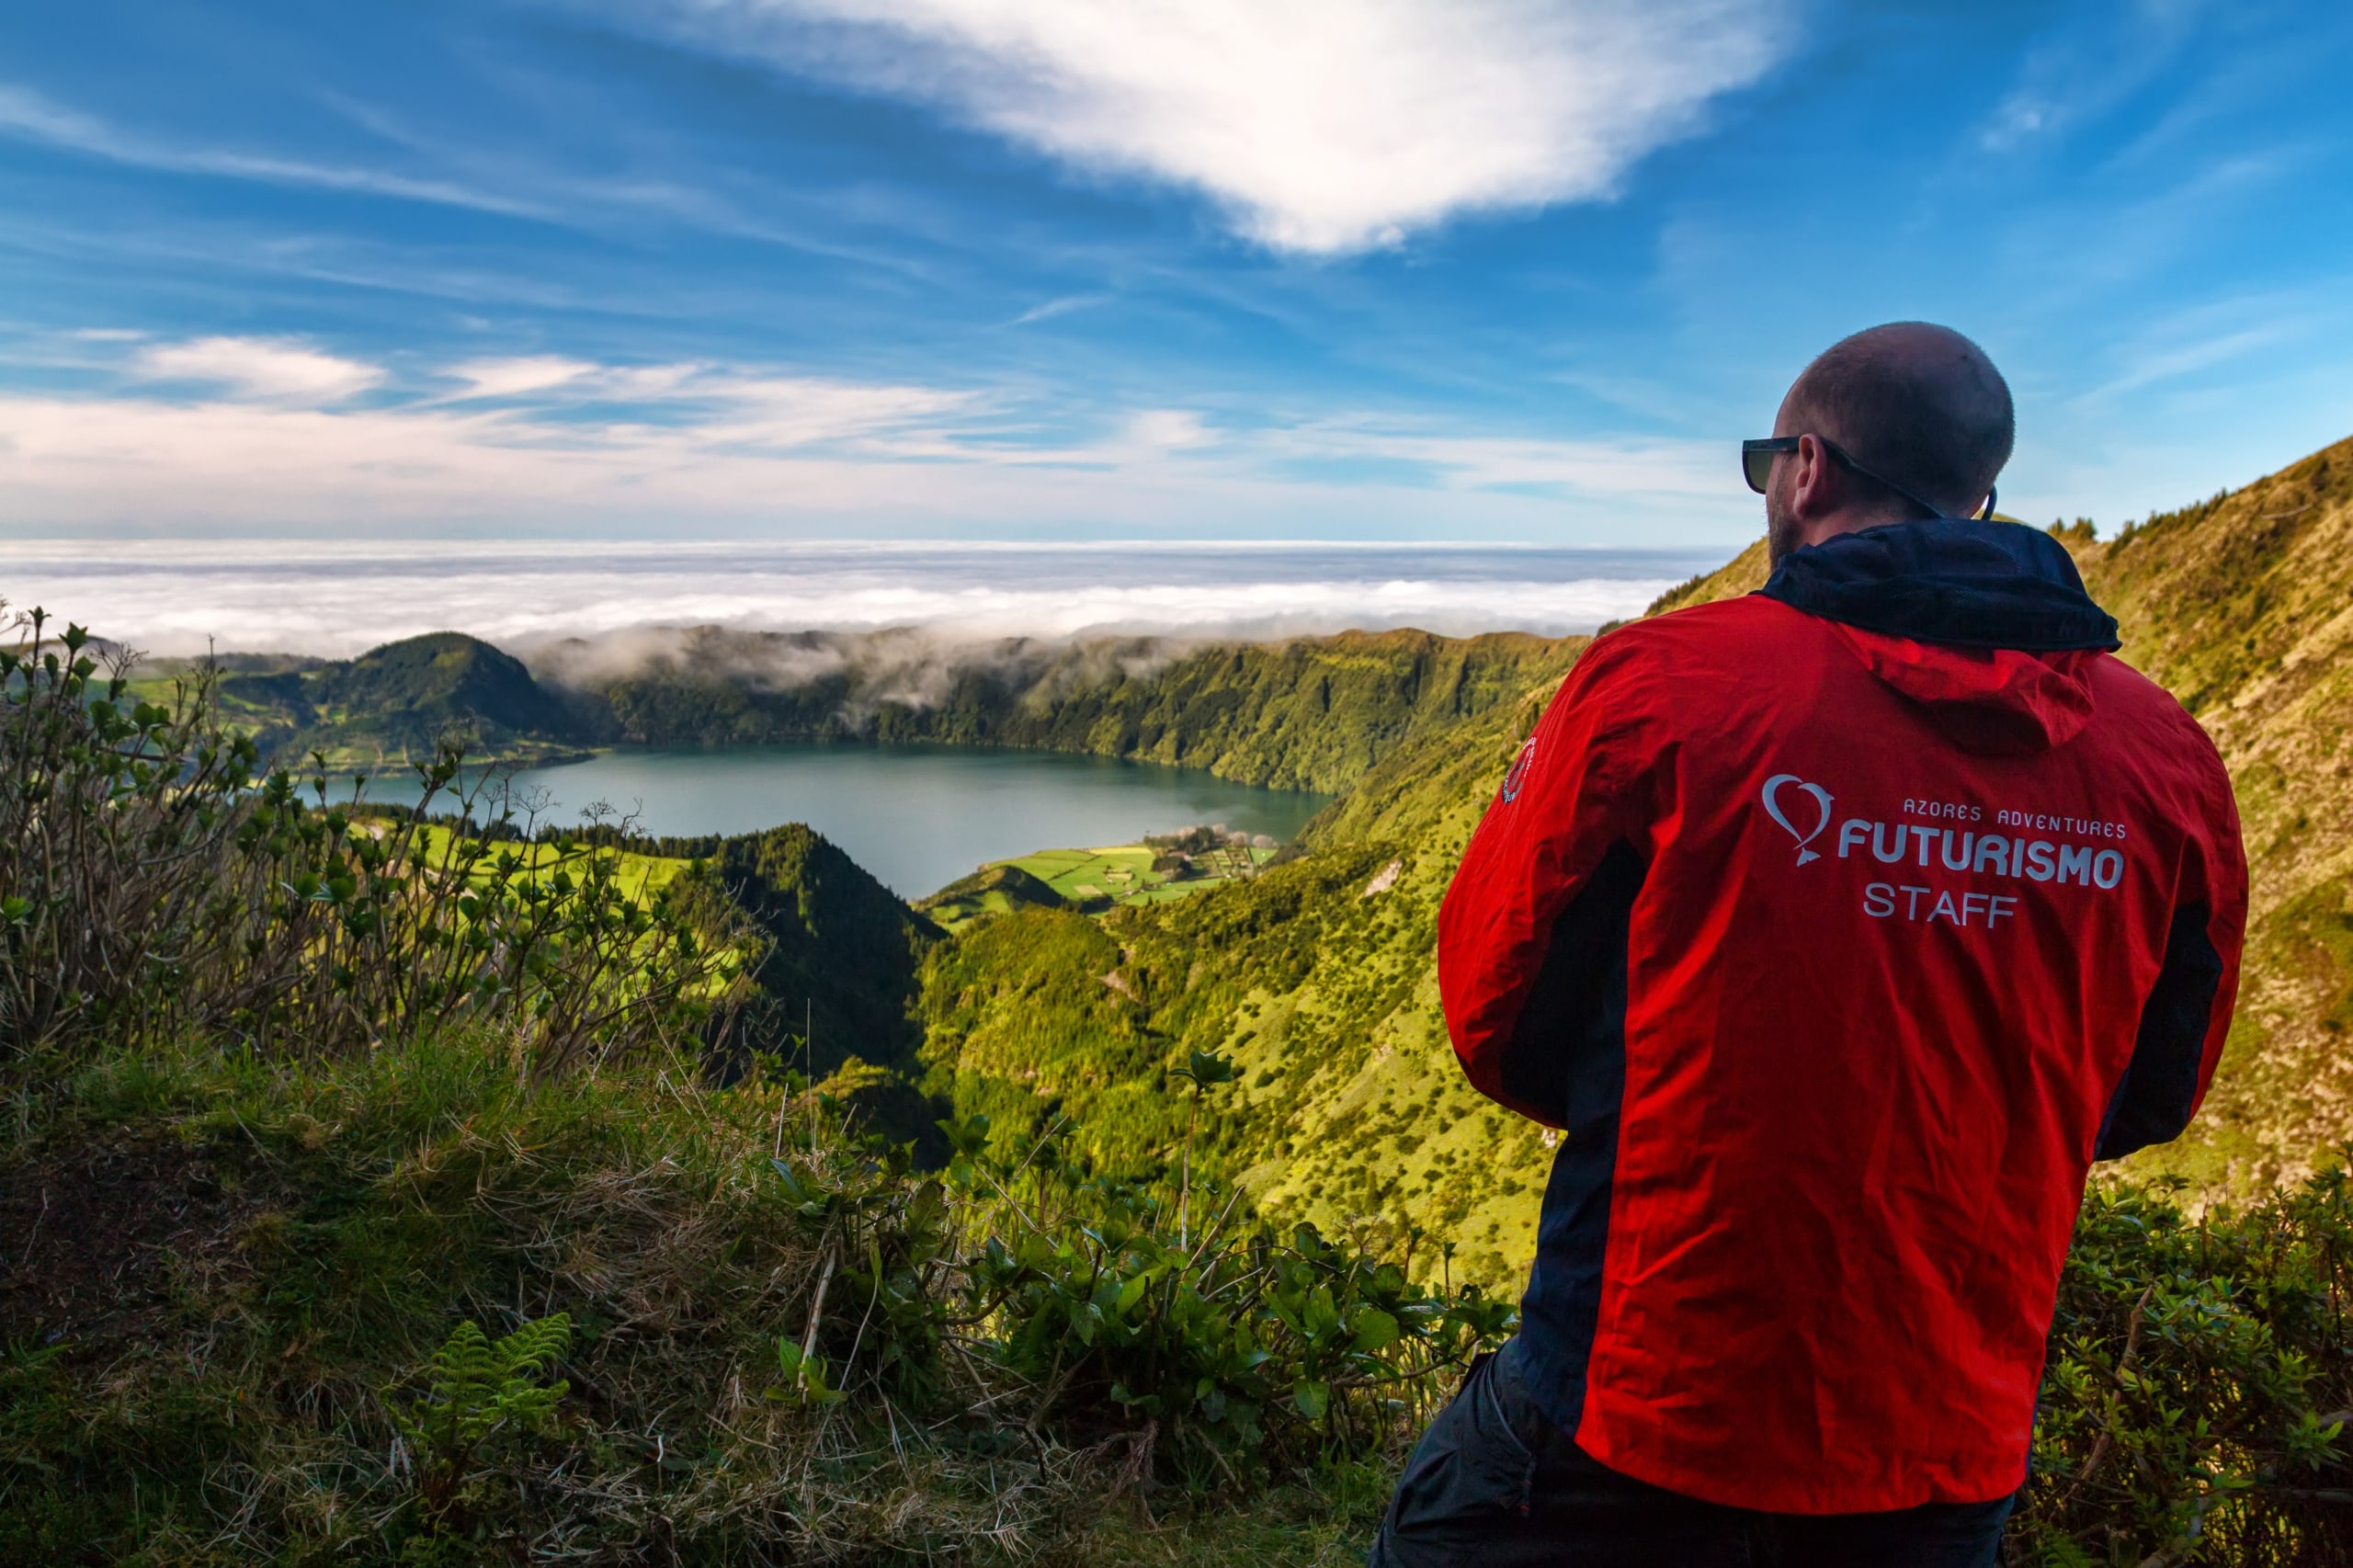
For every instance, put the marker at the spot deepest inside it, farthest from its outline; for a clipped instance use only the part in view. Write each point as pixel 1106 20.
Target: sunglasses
pixel 1756 467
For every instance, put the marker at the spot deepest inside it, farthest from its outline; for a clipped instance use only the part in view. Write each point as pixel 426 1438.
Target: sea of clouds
pixel 247 596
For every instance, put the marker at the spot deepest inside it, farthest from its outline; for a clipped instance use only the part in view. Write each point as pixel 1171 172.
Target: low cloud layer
pixel 855 673
pixel 1321 125
pixel 341 600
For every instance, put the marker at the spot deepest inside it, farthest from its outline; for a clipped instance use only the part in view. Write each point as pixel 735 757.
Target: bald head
pixel 1920 405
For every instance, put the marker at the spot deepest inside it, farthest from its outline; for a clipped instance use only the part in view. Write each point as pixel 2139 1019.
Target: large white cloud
pixel 1323 125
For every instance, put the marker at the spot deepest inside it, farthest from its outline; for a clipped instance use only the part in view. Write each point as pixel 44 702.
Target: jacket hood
pixel 1985 626
pixel 1948 580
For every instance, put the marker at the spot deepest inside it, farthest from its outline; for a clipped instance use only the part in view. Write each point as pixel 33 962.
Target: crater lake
pixel 916 816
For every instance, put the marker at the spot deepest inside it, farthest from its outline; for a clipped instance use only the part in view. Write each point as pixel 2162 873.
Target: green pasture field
pixel 636 875
pixel 1092 880
pixel 1123 874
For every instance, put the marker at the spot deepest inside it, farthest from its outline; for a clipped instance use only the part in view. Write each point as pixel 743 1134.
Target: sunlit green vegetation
pixel 158 887
pixel 245 1337
pixel 992 891
pixel 1094 881
pixel 2239 604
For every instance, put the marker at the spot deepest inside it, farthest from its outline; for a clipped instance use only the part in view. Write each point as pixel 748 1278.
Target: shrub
pixel 153 887
pixel 2199 1379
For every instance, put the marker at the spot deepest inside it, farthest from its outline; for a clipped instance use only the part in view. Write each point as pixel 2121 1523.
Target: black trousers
pixel 1494 1484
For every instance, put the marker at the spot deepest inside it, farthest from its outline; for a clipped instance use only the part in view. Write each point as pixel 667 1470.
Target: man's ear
pixel 1815 488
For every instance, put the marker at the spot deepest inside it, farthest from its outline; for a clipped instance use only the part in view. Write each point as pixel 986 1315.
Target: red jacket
pixel 1837 927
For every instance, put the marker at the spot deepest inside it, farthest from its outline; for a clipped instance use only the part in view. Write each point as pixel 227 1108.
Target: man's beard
pixel 1781 531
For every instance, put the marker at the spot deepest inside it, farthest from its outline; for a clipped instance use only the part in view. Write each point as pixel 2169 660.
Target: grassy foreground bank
pixel 236 1297
pixel 232 1289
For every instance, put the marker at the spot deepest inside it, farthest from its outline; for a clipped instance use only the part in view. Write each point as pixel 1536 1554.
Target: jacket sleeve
pixel 2188 1014
pixel 1532 940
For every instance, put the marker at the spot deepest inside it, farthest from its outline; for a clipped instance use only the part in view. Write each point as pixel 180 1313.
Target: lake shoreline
pixel 918 815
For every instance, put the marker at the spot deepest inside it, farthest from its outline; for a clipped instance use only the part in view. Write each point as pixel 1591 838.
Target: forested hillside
pixel 1312 714
pixel 833 993
pixel 392 706
pixel 1314 977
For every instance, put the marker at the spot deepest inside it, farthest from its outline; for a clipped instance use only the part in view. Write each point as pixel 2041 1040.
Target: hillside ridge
pixel 393 704
pixel 1306 713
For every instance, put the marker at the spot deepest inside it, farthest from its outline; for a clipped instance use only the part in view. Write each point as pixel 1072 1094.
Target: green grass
pixel 1122 873
pixel 637 875
pixel 1091 881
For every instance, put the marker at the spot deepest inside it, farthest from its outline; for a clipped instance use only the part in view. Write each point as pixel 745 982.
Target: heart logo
pixel 1517 773
pixel 1821 804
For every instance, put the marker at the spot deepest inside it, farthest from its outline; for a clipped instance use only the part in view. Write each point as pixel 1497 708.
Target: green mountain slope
pixel 392 704
pixel 2242 607
pixel 1743 574
pixel 1315 976
pixel 992 890
pixel 1310 713
pixel 835 988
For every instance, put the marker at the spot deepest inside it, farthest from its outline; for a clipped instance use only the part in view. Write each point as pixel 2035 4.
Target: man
pixel 1838 929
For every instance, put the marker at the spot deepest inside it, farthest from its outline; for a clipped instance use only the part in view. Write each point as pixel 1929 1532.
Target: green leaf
pixel 794 1188
pixel 1205 1068
pixel 1312 1398
pixel 969 1138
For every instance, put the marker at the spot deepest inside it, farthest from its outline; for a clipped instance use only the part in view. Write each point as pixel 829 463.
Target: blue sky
pixel 1071 270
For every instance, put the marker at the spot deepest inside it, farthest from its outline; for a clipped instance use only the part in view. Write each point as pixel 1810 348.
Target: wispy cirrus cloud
pixel 1321 126
pixel 2084 68
pixel 28 115
pixel 1061 306
pixel 519 376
